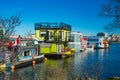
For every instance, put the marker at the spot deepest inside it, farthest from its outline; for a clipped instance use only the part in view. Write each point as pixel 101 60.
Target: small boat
pixel 69 53
pixel 27 56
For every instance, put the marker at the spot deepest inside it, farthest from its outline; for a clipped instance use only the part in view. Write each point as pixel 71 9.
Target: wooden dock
pixel 27 63
pixel 24 63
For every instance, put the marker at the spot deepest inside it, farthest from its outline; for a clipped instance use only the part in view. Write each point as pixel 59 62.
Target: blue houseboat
pixel 20 55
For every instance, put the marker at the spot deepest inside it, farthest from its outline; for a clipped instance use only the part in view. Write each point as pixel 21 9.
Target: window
pixel 68 35
pixel 60 34
pixel 50 36
pixel 26 53
pixel 42 34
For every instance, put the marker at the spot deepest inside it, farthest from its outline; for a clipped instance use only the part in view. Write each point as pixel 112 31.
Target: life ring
pixel 62 50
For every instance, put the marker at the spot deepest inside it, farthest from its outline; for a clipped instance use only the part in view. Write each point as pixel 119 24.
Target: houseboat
pixel 75 42
pixel 20 55
pixel 98 42
pixel 53 38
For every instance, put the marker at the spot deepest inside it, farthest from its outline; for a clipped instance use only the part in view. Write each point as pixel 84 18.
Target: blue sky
pixel 82 15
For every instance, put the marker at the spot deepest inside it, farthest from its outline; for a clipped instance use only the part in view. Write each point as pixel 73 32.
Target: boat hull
pixel 28 62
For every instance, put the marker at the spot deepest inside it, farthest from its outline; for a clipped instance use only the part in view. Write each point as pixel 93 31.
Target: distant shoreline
pixel 114 41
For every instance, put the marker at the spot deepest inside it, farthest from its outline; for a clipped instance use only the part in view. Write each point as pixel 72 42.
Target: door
pixel 59 48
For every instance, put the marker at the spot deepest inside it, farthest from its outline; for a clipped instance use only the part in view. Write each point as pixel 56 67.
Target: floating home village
pixel 50 41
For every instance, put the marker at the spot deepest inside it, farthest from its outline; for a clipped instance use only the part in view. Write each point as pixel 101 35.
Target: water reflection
pixel 102 54
pixel 86 65
pixel 94 64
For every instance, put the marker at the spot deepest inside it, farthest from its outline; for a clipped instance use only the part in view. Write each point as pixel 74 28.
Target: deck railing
pixel 52 26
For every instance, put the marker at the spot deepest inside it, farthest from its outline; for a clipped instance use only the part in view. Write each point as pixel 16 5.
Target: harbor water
pixel 98 64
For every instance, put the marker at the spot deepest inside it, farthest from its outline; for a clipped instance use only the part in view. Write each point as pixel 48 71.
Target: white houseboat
pixel 98 42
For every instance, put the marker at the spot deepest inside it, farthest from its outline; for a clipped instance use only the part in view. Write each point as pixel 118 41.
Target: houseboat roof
pixel 46 25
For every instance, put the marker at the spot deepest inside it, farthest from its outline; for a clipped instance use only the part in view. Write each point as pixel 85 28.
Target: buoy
pixel 12 68
pixel 33 62
pixel 45 59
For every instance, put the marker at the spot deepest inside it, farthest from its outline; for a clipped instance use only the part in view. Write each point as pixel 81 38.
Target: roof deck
pixel 47 25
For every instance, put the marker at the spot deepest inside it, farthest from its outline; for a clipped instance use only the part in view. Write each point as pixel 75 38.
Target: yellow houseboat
pixel 53 37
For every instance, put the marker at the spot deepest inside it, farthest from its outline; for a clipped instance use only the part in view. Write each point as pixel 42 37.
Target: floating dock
pixel 24 63
pixel 27 63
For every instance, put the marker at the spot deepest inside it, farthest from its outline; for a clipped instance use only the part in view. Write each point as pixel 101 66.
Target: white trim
pixel 42 32
pixel 74 42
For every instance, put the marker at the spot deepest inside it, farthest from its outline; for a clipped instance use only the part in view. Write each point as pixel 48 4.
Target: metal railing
pixel 47 25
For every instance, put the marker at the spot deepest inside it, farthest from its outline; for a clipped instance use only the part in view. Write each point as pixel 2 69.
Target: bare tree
pixel 10 23
pixel 111 9
pixel 28 33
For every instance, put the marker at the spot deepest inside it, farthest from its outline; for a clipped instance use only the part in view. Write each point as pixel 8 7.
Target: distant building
pixel 13 36
pixel 30 36
pixel 102 34
pixel 114 38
